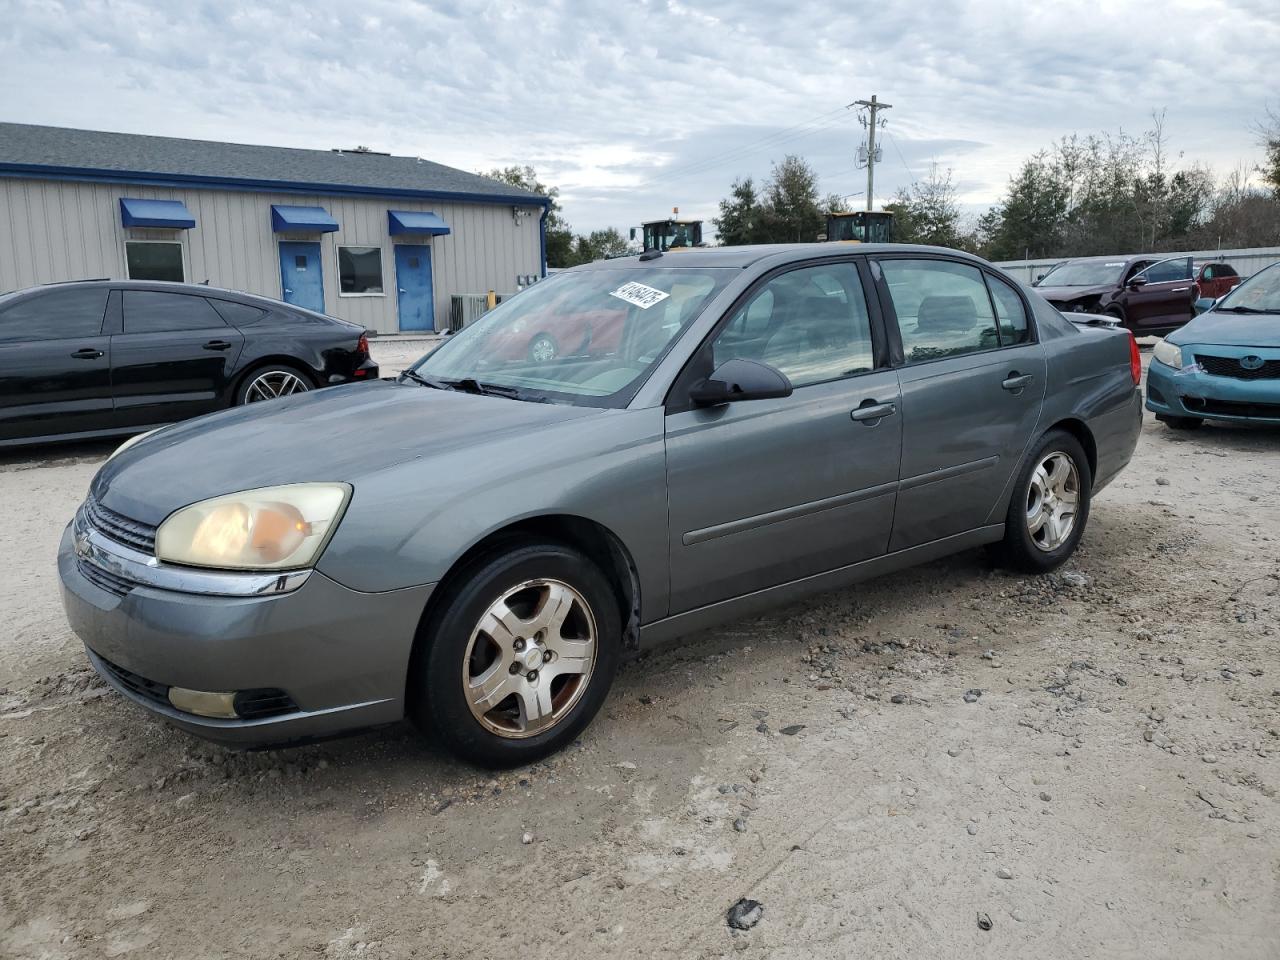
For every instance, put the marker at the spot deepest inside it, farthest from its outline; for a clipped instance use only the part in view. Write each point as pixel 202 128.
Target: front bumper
pixel 340 655
pixel 1196 392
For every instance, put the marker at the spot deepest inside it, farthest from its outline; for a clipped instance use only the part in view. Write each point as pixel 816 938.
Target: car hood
pixel 1073 293
pixel 336 434
pixel 1231 329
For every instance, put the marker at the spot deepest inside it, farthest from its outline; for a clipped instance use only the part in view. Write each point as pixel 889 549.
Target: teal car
pixel 1224 364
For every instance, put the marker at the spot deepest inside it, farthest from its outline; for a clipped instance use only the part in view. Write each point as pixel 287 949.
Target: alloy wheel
pixel 542 350
pixel 274 383
pixel 1052 501
pixel 529 659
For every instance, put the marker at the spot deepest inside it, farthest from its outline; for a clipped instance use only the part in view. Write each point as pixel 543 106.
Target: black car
pixel 99 358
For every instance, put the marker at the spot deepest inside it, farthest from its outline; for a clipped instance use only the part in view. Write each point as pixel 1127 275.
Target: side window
pixel 238 314
pixel 1167 271
pixel 943 308
pixel 1010 313
pixel 59 315
pixel 149 311
pixel 1208 272
pixel 811 324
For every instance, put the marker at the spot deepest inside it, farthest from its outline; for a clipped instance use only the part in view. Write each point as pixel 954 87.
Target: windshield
pixel 584 337
pixel 1083 273
pixel 1259 293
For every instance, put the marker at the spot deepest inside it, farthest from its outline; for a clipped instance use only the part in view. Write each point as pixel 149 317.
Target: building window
pixel 152 260
pixel 360 271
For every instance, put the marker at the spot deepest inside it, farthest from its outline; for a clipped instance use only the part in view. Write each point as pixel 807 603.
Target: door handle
pixel 871 411
pixel 1015 381
pixel 217 345
pixel 1181 289
pixel 88 353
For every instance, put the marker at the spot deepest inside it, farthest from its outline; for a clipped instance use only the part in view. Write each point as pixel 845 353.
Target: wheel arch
pixel 258 364
pixel 596 541
pixel 1080 430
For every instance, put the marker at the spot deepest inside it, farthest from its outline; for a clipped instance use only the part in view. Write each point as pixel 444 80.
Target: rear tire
pixel 519 657
pixel 1182 423
pixel 272 381
pixel 1050 506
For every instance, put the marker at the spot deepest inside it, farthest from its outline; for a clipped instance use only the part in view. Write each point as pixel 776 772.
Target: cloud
pixel 633 108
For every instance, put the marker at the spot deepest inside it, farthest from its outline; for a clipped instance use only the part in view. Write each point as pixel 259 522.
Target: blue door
pixel 413 287
pixel 301 281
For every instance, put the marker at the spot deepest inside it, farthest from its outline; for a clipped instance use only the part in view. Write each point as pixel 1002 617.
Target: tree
pixel 789 209
pixel 1028 222
pixel 560 241
pixel 1269 137
pixel 739 220
pixel 600 244
pixel 928 212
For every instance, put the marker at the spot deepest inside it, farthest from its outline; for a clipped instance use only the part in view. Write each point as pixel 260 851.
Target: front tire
pixel 519 657
pixel 1050 505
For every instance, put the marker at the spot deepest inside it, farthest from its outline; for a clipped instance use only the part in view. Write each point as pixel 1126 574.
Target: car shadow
pixel 57 454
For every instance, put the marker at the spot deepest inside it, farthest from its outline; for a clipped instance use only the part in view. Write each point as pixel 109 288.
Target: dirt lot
pixel 1111 792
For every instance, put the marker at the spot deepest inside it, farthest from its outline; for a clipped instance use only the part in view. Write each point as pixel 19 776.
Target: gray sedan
pixel 477 544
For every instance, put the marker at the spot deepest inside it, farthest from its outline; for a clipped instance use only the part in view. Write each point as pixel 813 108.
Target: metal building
pixel 384 241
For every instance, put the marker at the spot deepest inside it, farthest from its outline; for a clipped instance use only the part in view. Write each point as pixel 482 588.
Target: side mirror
pixel 1136 282
pixel 1039 277
pixel 1205 304
pixel 633 233
pixel 740 379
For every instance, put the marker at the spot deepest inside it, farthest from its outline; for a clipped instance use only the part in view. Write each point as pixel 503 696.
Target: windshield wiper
pixel 472 385
pixel 1242 310
pixel 424 381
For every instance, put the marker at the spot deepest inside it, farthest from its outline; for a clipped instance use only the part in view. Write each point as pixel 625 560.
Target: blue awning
pixel 311 219
pixel 411 221
pixel 165 214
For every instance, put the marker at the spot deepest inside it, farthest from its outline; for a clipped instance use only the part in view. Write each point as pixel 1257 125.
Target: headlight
pixel 129 443
pixel 1168 354
pixel 274 528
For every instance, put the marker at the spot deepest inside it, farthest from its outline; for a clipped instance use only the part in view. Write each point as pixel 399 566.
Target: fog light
pixel 204 704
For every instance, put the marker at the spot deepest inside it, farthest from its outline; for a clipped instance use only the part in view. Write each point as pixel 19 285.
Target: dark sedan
pixel 103 358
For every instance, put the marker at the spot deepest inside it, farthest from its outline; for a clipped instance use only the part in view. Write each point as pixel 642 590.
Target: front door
pixel 301 280
pixel 971 394
pixel 763 492
pixel 1164 301
pixel 174 359
pixel 55 374
pixel 413 287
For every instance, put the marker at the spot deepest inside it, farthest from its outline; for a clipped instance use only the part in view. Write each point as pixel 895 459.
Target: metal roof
pixel 69 154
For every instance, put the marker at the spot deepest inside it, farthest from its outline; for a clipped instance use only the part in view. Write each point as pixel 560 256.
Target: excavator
pixel 861 226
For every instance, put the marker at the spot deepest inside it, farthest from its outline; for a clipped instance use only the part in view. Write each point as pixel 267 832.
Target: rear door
pixel 175 358
pixel 55 374
pixel 763 492
pixel 972 389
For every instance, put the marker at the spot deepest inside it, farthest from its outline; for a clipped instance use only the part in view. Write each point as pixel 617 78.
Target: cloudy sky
pixel 635 106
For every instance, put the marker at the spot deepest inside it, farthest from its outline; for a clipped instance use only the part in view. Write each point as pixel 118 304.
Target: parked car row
pixel 109 357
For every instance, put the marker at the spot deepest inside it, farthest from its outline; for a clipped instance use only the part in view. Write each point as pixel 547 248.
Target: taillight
pixel 1135 360
pixel 363 345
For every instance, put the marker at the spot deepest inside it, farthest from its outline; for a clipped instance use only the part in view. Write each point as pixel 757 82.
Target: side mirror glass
pixel 740 379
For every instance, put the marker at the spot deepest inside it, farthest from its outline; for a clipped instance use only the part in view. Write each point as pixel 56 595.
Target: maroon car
pixel 1216 278
pixel 1148 296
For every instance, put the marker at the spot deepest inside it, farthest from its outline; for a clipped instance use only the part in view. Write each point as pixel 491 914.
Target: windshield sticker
pixel 637 293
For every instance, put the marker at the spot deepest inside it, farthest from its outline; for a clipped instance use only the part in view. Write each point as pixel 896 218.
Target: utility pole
pixel 873 107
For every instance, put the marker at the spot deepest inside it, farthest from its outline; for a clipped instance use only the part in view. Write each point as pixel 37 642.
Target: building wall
pixel 54 230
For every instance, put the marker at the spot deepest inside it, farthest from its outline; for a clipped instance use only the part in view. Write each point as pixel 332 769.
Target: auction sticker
pixel 637 293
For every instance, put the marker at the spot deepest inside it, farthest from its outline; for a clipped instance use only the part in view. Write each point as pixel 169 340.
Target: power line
pixel 898 150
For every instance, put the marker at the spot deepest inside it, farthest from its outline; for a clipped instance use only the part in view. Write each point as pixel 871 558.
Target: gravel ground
pixel 952 761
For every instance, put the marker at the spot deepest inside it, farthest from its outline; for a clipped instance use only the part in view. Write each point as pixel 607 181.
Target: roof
pixel 69 154
pixel 745 256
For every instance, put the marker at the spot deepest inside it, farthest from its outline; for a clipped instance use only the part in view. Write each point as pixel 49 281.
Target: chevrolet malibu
pixel 477 544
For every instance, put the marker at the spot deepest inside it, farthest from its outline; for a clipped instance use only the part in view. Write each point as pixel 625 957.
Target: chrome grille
pixel 122 529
